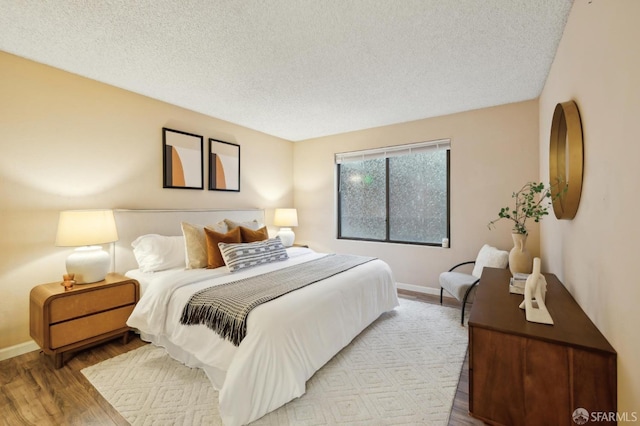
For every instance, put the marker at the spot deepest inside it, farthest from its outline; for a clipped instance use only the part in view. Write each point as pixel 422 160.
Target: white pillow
pixel 490 257
pixel 155 252
pixel 239 256
pixel 252 224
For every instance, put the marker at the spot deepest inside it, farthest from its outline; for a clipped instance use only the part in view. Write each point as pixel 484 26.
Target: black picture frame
pixel 182 160
pixel 224 166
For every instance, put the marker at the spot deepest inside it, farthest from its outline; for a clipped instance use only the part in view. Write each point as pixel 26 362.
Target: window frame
pixel 387 238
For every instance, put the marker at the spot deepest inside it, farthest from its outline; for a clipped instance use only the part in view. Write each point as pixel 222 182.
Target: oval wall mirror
pixel 566 160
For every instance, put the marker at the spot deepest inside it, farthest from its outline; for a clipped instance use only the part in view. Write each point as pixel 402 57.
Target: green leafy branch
pixel 528 206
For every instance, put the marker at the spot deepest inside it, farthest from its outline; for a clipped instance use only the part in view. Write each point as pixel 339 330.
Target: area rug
pixel 403 369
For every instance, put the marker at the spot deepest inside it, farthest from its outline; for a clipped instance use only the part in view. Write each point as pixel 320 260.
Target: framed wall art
pixel 224 166
pixel 183 160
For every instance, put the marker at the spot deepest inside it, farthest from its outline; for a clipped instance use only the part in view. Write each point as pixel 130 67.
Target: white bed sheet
pixel 288 339
pixel 146 278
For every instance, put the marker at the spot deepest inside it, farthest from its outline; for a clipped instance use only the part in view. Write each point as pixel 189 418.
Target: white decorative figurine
pixel 535 290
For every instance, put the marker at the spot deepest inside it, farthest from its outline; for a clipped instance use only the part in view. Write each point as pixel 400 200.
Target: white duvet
pixel 287 341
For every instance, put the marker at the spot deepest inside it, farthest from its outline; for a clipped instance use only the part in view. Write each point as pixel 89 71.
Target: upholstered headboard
pixel 133 223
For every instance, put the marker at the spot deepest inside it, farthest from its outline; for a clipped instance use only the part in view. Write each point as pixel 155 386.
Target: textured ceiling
pixel 299 69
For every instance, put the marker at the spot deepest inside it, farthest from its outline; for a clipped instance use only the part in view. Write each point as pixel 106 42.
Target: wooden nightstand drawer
pixel 81 304
pixel 69 332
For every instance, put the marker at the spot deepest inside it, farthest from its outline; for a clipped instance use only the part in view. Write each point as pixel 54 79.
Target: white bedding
pixel 288 339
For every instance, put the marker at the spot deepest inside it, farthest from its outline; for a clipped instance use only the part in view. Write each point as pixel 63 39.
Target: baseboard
pixel 19 349
pixel 419 288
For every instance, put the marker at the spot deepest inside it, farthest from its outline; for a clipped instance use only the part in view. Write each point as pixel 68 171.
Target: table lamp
pixel 286 218
pixel 86 229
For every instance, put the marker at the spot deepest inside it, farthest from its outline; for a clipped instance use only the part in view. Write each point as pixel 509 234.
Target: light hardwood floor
pixel 33 392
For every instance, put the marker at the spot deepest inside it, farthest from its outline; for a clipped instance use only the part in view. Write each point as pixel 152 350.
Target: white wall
pixel 598 66
pixel 494 151
pixel 68 142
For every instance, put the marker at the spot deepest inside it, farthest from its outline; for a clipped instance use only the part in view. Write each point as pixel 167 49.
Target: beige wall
pixel 494 151
pixel 68 142
pixel 598 66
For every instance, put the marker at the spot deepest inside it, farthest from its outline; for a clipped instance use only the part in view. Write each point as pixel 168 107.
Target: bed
pixel 287 339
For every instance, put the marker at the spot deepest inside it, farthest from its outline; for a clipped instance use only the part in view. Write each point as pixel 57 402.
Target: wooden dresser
pixel 523 373
pixel 63 321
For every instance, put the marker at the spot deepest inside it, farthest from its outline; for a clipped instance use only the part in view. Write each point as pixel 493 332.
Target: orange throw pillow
pixel 214 258
pixel 251 236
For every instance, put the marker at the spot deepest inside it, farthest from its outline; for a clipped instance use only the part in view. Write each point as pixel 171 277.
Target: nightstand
pixel 64 321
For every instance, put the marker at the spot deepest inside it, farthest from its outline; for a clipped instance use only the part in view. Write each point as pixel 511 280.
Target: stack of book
pixel 517 282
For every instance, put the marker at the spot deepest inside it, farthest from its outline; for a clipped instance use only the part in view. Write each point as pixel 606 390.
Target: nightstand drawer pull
pixel 79 329
pixel 81 304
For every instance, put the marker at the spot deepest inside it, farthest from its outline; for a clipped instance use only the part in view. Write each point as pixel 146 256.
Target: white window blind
pixel 392 151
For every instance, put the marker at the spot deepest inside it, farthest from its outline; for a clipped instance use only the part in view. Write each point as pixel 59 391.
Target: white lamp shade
pixel 85 228
pixel 285 217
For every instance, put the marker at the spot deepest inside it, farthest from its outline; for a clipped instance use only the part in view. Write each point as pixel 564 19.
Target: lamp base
pixel 89 264
pixel 287 236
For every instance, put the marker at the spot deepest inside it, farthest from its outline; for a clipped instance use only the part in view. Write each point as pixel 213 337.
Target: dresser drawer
pixel 66 333
pixel 96 300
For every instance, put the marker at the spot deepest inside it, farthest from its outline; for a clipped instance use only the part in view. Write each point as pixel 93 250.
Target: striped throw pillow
pixel 239 256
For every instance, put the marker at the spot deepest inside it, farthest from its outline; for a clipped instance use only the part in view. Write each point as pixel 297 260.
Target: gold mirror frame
pixel 566 151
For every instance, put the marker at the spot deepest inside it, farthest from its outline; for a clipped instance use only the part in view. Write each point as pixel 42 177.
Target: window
pixel 397 194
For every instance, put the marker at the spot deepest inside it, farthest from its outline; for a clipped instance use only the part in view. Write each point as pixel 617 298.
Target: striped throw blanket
pixel 225 308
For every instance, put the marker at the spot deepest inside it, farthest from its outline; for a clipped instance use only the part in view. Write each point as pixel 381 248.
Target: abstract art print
pixel 224 166
pixel 183 161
